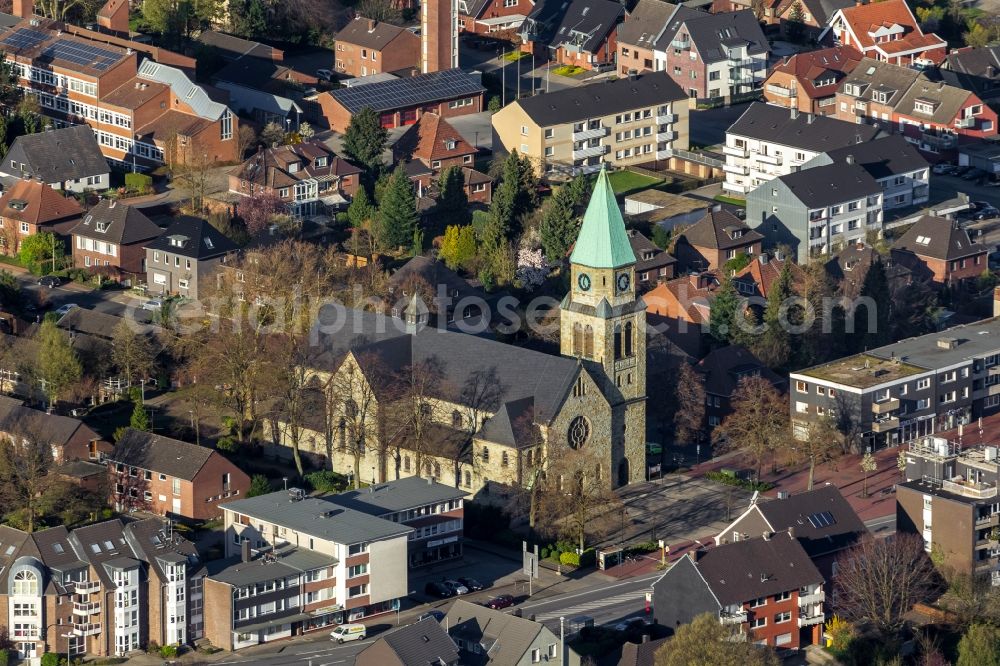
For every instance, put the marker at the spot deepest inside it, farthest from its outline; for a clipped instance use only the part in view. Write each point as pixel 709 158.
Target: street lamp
pixel 66 636
pixel 285 479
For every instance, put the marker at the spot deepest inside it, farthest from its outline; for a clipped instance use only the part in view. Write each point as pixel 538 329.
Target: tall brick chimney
pixel 24 8
pixel 438 35
pixel 113 16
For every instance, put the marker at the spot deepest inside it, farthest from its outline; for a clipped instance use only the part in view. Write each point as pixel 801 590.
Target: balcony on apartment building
pixel 589 151
pixel 968 122
pixel 86 586
pixel 734 187
pixel 736 151
pixel 738 169
pixel 987 564
pixel 86 608
pixel 885 425
pixel 780 91
pixel 885 406
pixel 591 131
pixel 664 135
pixel 664 153
pixel 816 596
pixel 86 629
pixel 810 616
pixel 989 520
pixel 774 160
pixel 666 118
pixel 730 616
pixel 681 43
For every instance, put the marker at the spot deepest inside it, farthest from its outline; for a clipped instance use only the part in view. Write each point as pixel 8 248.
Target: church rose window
pixel 579 432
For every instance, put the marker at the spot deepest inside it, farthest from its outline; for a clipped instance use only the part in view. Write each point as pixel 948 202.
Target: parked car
pixel 349 632
pixel 66 308
pixel 501 601
pixel 631 623
pixel 986 213
pixel 654 449
pixel 436 614
pixel 455 586
pixel 471 583
pixel 324 74
pixel 49 281
pixel 973 174
pixel 943 168
pixel 153 304
pixel 439 590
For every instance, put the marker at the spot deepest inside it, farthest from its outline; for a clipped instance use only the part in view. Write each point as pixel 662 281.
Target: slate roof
pixel 602 241
pixel 585 24
pixel 641 654
pixel 152 544
pixel 510 425
pixel 710 33
pixel 757 567
pixel 319 517
pixel 883 158
pixel 233 47
pixel 644 23
pixel 775 124
pixel 52 429
pixel 821 10
pixel 947 101
pixel 434 273
pixel 160 454
pixel 976 69
pixel 812 67
pixel 794 512
pixel 723 368
pixel 938 238
pixel 573 104
pixel 55 550
pixel 873 75
pixel 370 34
pixel 397 495
pixel 256 73
pixel 648 256
pixel 287 561
pixel 121 223
pixel 42 204
pixel 432 138
pixel 715 231
pixel 505 637
pixel 423 642
pixel 58 155
pixel 829 184
pixel 409 91
pixel 103 543
pixel 200 240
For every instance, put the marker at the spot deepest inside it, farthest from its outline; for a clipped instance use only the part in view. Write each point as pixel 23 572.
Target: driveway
pixel 708 127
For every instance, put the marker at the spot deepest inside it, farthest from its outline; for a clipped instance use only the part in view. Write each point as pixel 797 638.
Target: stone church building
pixel 399 398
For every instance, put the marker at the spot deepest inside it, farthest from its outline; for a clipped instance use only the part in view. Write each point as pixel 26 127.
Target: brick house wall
pixel 634 58
pixel 944 272
pixel 129 258
pixel 952 531
pixel 337 117
pixel 681 67
pixel 206 492
pixel 356 60
pixel 588 59
pixel 495 9
pixel 219 614
pixel 804 103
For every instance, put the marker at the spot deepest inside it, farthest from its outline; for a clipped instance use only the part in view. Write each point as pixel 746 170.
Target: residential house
pixel 64 159
pixel 169 477
pixel 400 102
pixel 821 519
pixel 808 81
pixel 641 654
pixel 434 145
pixel 937 116
pixel 848 268
pixel 872 90
pixel 580 33
pixel 632 120
pixel 895 164
pixel 92 335
pixel 188 252
pixel 423 642
pixel 28 207
pixel 296 564
pixel 87 592
pixel 722 370
pixel 816 211
pixel 757 277
pixel 939 250
pixel 682 303
pixel 764 585
pixel 488 636
pixel 712 56
pixel 653 265
pixel 308 177
pixel 366 46
pixel 640 35
pixel 434 511
pixel 806 22
pixel 768 141
pixel 886 31
pixel 976 69
pixel 949 499
pixel 136 111
pixel 67 438
pixel 906 390
pixel 715 239
pixel 113 236
pixel 492 16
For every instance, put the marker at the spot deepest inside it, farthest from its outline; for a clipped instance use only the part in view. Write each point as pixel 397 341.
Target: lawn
pixel 731 200
pixel 625 182
pixel 568 70
pixel 514 56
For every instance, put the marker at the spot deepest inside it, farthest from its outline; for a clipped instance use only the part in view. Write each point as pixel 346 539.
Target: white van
pixel 349 632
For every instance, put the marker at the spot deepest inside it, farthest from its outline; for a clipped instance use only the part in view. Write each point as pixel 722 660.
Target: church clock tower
pixel 603 323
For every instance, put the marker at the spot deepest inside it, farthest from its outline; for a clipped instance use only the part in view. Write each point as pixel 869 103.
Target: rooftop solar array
pixel 821 519
pixel 411 91
pixel 24 38
pixel 84 55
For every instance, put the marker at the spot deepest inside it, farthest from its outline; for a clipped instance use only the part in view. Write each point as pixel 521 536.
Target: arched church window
pixel 618 341
pixel 468 479
pixel 579 432
pixel 504 460
pixel 486 455
pixel 629 334
pixel 437 470
pixel 588 341
pixel 456 419
pixel 577 339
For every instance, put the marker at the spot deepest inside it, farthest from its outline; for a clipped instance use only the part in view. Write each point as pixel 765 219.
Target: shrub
pixel 138 182
pixel 168 651
pixel 841 633
pixel 570 558
pixel 729 479
pixel 5 657
pixel 545 553
pixel 228 444
pixel 50 659
pixel 326 481
pixel 152 647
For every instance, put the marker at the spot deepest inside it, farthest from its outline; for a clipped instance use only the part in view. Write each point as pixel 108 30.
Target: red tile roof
pixel 41 205
pixel 808 67
pixel 433 138
pixel 864 19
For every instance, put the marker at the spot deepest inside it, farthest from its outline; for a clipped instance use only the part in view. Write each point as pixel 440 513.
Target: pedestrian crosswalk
pixel 596 604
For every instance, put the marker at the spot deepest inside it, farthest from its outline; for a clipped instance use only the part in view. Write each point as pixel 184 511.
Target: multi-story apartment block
pixel 635 119
pixel 434 511
pixel 298 564
pixel 769 141
pixel 950 499
pixel 169 477
pixel 808 81
pixel 895 164
pixel 937 249
pixel 765 584
pixel 136 112
pixel 307 176
pixel 92 591
pixel 816 211
pixel 366 46
pixel 715 239
pixel 886 31
pixel 906 390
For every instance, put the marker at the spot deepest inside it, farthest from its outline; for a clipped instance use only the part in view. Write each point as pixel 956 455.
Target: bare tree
pixel 352 406
pixel 689 417
pixel 879 580
pixel 412 412
pixel 759 422
pixel 24 466
pixel 527 495
pixel 481 395
pixel 132 353
pixel 245 138
pixel 820 445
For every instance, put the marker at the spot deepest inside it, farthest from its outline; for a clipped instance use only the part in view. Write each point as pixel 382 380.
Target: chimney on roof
pixel 996 301
pixel 810 118
pixel 245 550
pixel 766 536
pixel 991 71
pixel 24 8
pixel 850 159
pixel 794 112
pixel 371 25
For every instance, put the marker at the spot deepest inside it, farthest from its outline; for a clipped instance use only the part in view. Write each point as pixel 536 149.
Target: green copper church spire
pixel 602 242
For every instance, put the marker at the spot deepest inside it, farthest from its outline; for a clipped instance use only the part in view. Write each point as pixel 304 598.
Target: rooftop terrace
pixel 862 371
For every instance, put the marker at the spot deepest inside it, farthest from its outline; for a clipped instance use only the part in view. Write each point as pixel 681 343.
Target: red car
pixel 502 601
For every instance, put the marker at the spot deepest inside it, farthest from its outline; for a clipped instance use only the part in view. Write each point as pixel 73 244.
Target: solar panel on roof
pixel 821 519
pixel 24 38
pixel 81 54
pixel 410 91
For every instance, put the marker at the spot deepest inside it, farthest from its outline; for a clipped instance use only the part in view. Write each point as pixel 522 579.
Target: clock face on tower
pixel 583 281
pixel 623 282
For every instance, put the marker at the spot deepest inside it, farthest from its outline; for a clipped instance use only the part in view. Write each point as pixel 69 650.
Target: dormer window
pixel 101 227
pixel 736 233
pixel 924 106
pixel 177 241
pixel 451 144
pixel 321 161
pixel 208 243
pixel 293 167
pixel 882 96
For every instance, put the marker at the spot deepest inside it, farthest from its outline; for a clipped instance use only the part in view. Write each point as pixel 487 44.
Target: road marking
pixel 329 663
pixel 564 597
pixel 593 605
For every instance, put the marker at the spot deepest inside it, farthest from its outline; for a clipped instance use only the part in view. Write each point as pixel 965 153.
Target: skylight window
pixel 109 545
pixel 923 240
pixel 208 243
pixel 58 548
pixel 96 548
pixel 821 519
